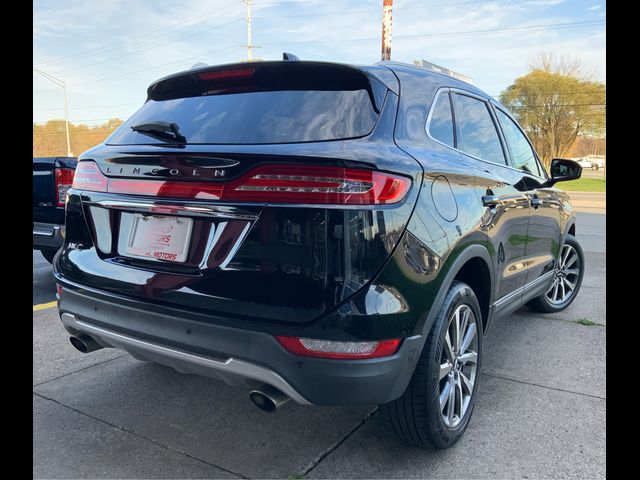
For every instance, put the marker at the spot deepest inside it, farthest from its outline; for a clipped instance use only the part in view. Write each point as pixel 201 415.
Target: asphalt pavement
pixel 44 288
pixel 540 410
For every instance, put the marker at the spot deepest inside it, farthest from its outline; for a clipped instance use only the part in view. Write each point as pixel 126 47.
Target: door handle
pixel 535 201
pixel 490 200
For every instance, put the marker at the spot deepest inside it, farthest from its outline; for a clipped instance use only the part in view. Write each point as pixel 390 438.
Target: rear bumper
pixel 235 355
pixel 47 235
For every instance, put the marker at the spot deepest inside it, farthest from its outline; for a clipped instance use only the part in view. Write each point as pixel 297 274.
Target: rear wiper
pixel 168 132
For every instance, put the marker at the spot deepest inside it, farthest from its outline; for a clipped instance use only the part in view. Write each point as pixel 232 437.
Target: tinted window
pixel 522 155
pixel 258 117
pixel 441 123
pixel 476 131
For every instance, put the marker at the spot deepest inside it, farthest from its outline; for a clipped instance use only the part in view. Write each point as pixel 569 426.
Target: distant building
pixel 443 70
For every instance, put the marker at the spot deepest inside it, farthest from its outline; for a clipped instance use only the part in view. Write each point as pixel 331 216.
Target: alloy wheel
pixel 566 276
pixel 458 365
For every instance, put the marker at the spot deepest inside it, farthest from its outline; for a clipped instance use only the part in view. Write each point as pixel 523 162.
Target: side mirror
pixel 563 170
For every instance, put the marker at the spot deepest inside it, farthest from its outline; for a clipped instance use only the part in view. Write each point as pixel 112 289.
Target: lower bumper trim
pixel 183 361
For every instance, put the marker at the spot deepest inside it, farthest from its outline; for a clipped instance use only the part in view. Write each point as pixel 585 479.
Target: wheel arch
pixel 474 266
pixel 569 229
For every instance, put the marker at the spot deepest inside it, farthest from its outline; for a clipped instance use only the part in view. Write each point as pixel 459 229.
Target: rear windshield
pixel 284 116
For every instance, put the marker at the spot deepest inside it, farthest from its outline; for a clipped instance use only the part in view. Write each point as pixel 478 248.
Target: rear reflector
pixel 308 347
pixel 266 184
pixel 64 179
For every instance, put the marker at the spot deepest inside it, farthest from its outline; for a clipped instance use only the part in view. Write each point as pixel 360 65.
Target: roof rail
pixel 432 67
pixel 445 71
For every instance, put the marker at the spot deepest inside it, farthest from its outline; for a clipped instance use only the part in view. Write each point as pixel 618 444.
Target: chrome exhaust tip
pixel 268 398
pixel 85 343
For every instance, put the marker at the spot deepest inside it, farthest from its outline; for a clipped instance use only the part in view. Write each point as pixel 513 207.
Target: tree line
pixel 50 139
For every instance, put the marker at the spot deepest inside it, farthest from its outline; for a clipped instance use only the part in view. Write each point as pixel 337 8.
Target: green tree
pixel 555 103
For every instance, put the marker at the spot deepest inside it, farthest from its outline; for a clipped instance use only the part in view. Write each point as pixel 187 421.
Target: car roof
pixel 436 77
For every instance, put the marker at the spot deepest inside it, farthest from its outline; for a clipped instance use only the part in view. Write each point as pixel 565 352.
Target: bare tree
pixel 555 102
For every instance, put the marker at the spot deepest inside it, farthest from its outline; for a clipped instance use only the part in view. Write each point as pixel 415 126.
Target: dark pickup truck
pixel 52 177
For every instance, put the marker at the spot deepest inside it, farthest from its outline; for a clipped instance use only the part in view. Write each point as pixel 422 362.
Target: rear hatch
pixel 266 192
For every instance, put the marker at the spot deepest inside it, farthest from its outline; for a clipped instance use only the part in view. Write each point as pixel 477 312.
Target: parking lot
pixel 540 410
pixel 594 173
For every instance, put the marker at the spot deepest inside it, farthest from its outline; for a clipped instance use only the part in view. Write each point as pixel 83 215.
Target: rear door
pixel 543 233
pixel 500 188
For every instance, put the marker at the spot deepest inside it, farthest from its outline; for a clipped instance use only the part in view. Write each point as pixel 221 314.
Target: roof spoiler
pixel 289 57
pixel 265 76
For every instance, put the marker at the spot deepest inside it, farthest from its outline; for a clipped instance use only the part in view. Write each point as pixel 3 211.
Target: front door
pixel 543 233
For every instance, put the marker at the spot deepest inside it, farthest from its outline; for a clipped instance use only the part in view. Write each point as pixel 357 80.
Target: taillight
pixel 309 347
pixel 268 183
pixel 89 177
pixel 317 185
pixel 64 179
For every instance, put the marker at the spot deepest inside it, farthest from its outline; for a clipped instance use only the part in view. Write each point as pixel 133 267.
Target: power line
pixel 107 60
pixel 472 32
pixel 121 118
pixel 562 93
pixel 91 131
pixel 116 117
pixel 144 70
pixel 353 12
pixel 163 30
pixel 463 33
pixel 88 107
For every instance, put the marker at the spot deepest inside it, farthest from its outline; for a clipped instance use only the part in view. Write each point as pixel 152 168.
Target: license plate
pixel 157 238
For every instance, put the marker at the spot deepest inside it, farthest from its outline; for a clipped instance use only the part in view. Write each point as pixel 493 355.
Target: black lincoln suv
pixel 323 233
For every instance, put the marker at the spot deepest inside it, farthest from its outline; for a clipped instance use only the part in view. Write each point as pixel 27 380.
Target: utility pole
pixel 249 45
pixel 387 7
pixel 60 83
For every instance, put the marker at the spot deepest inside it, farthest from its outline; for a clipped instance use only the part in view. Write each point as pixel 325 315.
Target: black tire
pixel 48 254
pixel 416 416
pixel 595 167
pixel 542 303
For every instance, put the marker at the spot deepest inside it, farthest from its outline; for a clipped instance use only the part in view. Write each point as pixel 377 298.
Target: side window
pixel 476 132
pixel 522 154
pixel 441 123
